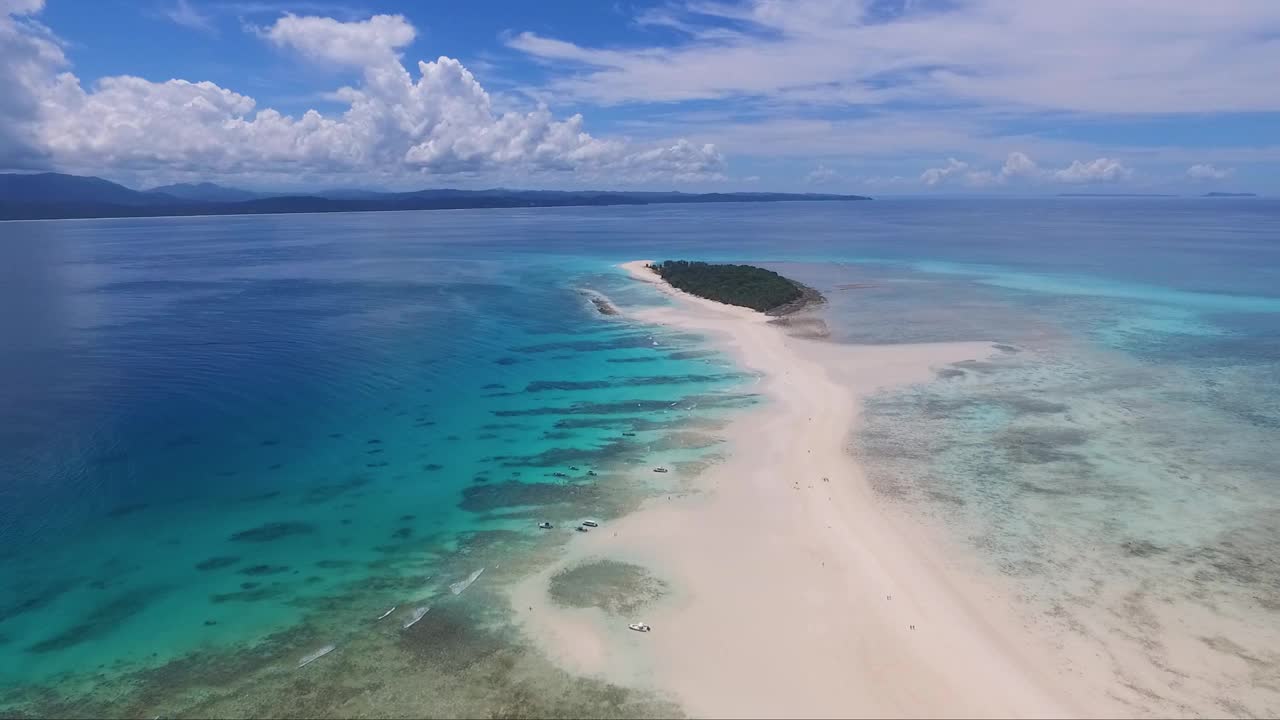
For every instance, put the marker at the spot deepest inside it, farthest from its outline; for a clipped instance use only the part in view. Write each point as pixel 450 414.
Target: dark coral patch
pixel 484 498
pixel 260 496
pixel 328 491
pixel 127 509
pixel 101 621
pixel 273 531
pixel 1041 445
pixel 38 599
pixel 1141 548
pixel 264 570
pixel 215 563
pixel 255 594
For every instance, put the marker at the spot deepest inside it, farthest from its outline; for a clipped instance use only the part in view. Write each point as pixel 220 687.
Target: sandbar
pixel 792 591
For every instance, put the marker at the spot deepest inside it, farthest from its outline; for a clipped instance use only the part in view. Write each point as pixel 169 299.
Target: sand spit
pixel 791 591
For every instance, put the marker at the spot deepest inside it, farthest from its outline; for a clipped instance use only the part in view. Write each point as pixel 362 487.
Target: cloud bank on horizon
pixel 861 95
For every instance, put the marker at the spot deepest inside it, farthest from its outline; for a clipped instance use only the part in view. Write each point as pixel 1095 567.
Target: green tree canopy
pixel 743 285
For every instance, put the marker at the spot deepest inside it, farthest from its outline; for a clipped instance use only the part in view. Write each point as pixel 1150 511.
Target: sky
pixel 878 97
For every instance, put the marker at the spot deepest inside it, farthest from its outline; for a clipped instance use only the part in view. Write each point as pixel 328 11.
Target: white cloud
pixel 1020 166
pixel 20 7
pixel 939 175
pixel 821 175
pixel 1203 171
pixel 365 43
pixel 182 13
pixel 1016 165
pixel 29 55
pixel 1101 170
pixel 439 122
pixel 1085 56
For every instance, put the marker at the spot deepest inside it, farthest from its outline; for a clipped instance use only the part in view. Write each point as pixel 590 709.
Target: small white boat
pixel 659 469
pixel 591 523
pixel 312 657
pixel 384 615
pixel 461 585
pixel 639 627
pixel 545 525
pixel 415 616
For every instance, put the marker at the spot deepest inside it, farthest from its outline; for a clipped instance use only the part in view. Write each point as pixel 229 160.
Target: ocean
pixel 229 443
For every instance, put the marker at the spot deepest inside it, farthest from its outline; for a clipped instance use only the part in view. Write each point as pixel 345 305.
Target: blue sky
pixel 883 97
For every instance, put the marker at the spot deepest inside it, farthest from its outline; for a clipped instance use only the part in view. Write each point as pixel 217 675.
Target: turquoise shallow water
pixel 227 442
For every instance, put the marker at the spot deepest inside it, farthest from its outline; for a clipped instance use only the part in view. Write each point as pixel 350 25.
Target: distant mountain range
pixel 54 195
pixel 206 192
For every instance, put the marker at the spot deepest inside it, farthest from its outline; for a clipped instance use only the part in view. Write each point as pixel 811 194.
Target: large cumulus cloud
pixel 29 56
pixel 437 121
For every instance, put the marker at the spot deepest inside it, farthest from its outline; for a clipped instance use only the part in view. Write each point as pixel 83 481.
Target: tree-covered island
pixel 742 285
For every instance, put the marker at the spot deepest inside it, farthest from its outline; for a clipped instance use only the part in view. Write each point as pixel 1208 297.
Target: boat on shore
pixel 461 585
pixel 415 616
pixel 312 657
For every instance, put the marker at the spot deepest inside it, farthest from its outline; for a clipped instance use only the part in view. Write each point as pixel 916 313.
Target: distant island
pixel 1153 195
pixel 1116 195
pixel 46 196
pixel 743 285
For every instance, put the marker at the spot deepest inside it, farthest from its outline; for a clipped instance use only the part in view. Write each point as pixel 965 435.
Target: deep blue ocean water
pixel 225 441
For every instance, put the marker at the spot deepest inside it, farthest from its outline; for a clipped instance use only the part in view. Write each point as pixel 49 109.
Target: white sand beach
pixel 794 591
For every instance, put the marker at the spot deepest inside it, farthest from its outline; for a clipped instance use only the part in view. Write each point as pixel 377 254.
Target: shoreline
pixel 793 592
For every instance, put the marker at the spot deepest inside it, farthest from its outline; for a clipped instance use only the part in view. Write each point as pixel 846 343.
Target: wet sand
pixel 791 590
